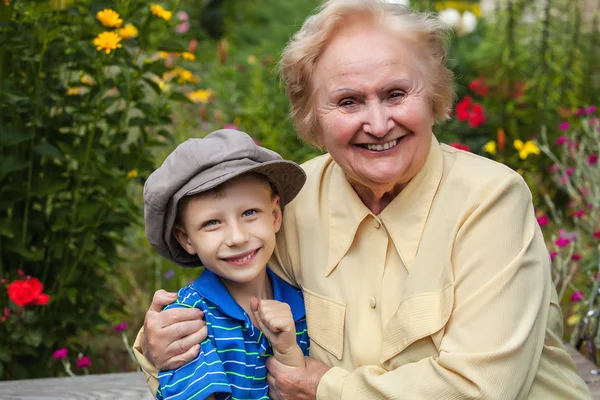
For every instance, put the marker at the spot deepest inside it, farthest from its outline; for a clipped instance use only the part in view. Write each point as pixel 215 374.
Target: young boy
pixel 218 202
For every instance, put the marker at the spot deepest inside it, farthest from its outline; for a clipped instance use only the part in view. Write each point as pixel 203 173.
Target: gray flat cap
pixel 198 165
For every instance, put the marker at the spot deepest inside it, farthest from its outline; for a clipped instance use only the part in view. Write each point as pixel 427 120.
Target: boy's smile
pixel 232 229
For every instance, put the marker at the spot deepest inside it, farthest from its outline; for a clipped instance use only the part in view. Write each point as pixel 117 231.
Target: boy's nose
pixel 237 235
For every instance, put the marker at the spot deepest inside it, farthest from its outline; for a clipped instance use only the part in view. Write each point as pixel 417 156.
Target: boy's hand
pixel 275 320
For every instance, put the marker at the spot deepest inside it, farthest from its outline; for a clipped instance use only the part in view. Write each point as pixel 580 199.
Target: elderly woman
pixel 424 272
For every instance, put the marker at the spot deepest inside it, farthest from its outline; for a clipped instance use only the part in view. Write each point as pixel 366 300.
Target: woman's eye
pixel 249 213
pixel 347 103
pixel 397 95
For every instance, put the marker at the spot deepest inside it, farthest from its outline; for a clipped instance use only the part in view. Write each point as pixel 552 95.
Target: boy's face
pixel 232 231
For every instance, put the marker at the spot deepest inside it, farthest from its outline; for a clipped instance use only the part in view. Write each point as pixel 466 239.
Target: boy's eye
pixel 249 213
pixel 208 224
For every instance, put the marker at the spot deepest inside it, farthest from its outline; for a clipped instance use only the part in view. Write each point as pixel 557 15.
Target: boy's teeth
pixel 245 258
pixel 381 147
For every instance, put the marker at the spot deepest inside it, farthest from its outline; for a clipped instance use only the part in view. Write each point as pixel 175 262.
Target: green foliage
pixel 78 128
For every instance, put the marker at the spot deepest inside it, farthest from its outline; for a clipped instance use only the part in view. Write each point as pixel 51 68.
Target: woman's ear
pixel 183 239
pixel 277 213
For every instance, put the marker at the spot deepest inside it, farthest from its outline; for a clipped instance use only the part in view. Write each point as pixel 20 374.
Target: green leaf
pixel 43 187
pixel 12 164
pixel 153 85
pixel 177 96
pixel 48 150
pixel 10 137
pixel 33 338
pixel 6 230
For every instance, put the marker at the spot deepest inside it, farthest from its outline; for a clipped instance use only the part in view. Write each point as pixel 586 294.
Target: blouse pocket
pixel 418 316
pixel 325 319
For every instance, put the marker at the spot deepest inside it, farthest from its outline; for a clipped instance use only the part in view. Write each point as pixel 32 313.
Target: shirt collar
pixel 404 217
pixel 210 287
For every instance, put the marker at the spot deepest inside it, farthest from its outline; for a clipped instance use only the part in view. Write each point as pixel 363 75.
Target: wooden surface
pixel 132 385
pixel 125 386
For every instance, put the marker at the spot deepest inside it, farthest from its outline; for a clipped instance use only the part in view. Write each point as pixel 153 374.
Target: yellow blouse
pixel 446 294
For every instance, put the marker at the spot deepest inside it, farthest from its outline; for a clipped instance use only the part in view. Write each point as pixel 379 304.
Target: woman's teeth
pixel 381 147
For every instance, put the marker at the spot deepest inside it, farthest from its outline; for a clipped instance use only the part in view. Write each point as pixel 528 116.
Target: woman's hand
pixel 298 383
pixel 172 337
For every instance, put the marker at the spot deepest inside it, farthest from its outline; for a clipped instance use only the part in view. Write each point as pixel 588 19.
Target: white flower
pixel 401 2
pixel 451 17
pixel 469 22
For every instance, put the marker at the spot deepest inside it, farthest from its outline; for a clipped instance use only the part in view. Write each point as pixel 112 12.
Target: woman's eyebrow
pixel 395 82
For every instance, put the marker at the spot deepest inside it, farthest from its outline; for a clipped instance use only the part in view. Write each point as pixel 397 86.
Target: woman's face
pixel 373 112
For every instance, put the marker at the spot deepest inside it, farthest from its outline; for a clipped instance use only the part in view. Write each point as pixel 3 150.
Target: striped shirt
pixel 231 361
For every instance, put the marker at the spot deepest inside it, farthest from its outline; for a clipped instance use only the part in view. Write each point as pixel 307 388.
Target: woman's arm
pixel 168 339
pixel 493 342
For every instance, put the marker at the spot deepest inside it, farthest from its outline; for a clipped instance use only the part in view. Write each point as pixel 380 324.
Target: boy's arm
pixel 275 320
pixel 201 377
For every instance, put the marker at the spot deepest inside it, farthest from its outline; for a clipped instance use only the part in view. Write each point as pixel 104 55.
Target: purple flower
pixel 562 242
pixel 564 126
pixel 120 327
pixel 543 220
pixel 60 353
pixel 577 296
pixel 84 362
pixel 169 274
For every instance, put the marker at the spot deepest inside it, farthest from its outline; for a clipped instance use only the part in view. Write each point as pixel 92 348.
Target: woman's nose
pixel 378 120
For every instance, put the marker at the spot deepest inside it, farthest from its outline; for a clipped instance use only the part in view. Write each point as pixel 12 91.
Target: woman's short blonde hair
pixel 301 54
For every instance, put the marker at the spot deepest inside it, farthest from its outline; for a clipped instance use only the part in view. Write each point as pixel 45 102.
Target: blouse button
pixel 376 224
pixel 373 302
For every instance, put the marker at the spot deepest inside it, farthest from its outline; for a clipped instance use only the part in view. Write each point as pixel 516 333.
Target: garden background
pixel 94 95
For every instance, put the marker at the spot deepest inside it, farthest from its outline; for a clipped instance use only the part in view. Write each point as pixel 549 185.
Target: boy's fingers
pixel 254 303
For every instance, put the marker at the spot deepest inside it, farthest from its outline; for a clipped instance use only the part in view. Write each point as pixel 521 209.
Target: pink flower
pixel 593 159
pixel 593 121
pixel 577 296
pixel 231 126
pixel 84 362
pixel 182 28
pixel 562 140
pixel 591 109
pixel 60 353
pixel 562 242
pixel 563 180
pixel 543 220
pixel 555 168
pixel 579 214
pixel 580 112
pixel 597 235
pixel 564 126
pixel 553 255
pixel 585 191
pixel 120 327
pixel 569 171
pixel 576 257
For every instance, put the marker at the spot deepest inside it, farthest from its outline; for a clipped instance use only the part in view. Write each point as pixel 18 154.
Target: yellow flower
pixel 490 147
pixel 107 41
pixel 87 80
pixel 186 55
pixel 128 31
pixel 74 91
pixel 251 59
pixel 573 319
pixel 163 54
pixel 6 2
pixel 200 96
pixel 160 12
pixel 132 174
pixel 525 149
pixel 185 75
pixel 109 18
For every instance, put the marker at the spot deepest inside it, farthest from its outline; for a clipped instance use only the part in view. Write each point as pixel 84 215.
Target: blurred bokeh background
pixel 95 94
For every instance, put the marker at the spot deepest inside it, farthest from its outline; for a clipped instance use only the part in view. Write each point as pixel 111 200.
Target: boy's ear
pixel 277 213
pixel 183 239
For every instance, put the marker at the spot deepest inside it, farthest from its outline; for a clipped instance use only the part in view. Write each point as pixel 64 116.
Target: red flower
pixel 562 242
pixel 479 86
pixel 27 293
pixel 576 257
pixel 462 108
pixel 579 214
pixel 553 255
pixel 466 110
pixel 593 159
pixel 597 235
pixel 460 146
pixel 84 362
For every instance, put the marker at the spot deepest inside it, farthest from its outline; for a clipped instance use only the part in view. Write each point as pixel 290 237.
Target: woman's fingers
pixel 182 359
pixel 162 298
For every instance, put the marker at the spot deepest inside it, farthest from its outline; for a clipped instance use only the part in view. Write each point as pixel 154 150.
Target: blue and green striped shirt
pixel 231 362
